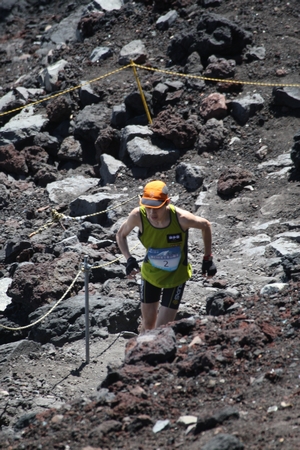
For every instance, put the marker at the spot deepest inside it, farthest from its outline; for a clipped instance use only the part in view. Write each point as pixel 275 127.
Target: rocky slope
pixel 76 147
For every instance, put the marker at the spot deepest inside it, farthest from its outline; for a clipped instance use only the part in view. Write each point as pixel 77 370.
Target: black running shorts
pixel 170 297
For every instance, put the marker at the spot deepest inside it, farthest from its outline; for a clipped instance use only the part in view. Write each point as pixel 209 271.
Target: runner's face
pixel 156 214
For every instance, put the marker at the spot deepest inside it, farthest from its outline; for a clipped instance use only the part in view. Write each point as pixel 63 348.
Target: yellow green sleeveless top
pixel 166 262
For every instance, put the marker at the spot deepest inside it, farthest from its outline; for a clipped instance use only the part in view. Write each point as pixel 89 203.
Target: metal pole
pixel 87 321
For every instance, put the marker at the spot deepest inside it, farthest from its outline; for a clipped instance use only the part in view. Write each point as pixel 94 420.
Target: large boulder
pixel 33 286
pixel 66 323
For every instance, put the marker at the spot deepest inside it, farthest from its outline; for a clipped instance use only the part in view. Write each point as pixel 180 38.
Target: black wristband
pixel 208 268
pixel 131 264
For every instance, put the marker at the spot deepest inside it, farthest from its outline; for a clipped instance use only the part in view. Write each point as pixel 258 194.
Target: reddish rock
pixel 196 364
pixel 88 24
pixel 45 175
pixel 174 128
pixel 233 180
pixel 269 330
pixel 154 346
pixel 213 106
pixel 35 156
pixel 108 142
pixel 59 109
pixel 11 160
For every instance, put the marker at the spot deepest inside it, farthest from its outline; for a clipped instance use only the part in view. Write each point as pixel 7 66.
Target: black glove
pixel 208 266
pixel 131 265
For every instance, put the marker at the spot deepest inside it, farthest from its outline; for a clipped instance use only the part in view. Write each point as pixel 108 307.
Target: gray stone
pixel 287 96
pixel 274 288
pixel 245 107
pixel 164 22
pixel 161 425
pixel 152 347
pixel 70 241
pixel 193 65
pixel 211 136
pixel 24 125
pixel 90 121
pixel 68 189
pixel 255 53
pixel 107 5
pixel 109 169
pixel 252 245
pixel 283 160
pixel 87 94
pixel 91 205
pixel 159 92
pixel 29 93
pixel 48 77
pixel 291 235
pixel 4 299
pixel 145 154
pixel 190 175
pixel 135 105
pixel 283 247
pixel 220 68
pixel 130 132
pixel 118 116
pixel 100 53
pixel 7 102
pixel 272 206
pixel 135 51
pixel 49 143
pixel 224 442
pixel 65 31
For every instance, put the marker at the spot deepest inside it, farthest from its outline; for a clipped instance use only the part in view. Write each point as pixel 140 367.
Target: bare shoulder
pixel 190 220
pixel 134 217
pixel 135 214
pixel 133 220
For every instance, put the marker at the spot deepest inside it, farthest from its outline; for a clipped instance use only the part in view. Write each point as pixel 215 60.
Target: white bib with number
pixel 165 258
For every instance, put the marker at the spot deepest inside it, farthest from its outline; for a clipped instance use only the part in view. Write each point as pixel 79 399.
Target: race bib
pixel 165 258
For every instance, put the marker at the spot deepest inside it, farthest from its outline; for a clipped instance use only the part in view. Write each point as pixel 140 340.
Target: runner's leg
pixel 149 315
pixel 165 315
pixel 149 296
pixel 169 305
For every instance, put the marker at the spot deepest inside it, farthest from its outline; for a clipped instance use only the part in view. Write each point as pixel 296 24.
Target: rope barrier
pixel 133 65
pixel 53 307
pixel 57 217
pixel 77 218
pixel 111 262
pixel 217 80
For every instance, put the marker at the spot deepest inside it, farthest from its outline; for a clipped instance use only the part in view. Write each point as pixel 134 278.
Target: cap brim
pixel 151 203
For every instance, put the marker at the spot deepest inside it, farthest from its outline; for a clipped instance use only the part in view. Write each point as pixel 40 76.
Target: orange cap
pixel 155 194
